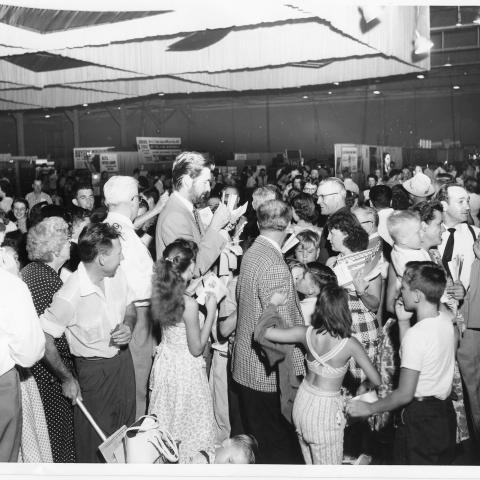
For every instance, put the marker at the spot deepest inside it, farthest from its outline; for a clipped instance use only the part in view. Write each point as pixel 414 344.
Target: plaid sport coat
pixel 262 273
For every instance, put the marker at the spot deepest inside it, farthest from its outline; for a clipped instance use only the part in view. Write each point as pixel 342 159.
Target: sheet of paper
pixel 238 212
pixel 289 243
pixel 206 216
pixel 368 397
pixel 343 274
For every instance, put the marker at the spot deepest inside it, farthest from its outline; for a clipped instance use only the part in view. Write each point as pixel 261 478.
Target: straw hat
pixel 419 185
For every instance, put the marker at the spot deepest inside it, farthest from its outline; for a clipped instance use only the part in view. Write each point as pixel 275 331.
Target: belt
pixel 426 399
pixel 93 359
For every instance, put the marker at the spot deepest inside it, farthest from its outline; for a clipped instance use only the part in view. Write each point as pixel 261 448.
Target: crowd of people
pixel 282 317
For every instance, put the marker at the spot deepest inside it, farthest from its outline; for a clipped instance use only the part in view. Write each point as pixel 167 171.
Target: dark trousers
pixel 261 417
pixel 108 391
pixel 10 416
pixel 426 434
pixel 236 426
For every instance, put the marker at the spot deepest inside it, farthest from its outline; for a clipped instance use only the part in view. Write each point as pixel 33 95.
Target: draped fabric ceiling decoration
pixel 99 51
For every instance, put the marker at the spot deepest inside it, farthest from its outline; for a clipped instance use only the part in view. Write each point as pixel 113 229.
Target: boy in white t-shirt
pixel 426 434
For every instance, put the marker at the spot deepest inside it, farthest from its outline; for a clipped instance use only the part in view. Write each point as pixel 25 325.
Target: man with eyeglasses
pixel 122 200
pixel 331 195
pixel 368 219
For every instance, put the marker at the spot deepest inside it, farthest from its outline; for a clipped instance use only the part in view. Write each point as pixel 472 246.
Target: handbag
pixel 146 442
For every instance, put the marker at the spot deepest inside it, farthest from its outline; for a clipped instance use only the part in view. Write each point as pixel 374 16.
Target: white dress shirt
pixel 383 214
pixel 137 262
pixel 22 341
pixel 32 198
pixel 463 245
pixel 86 314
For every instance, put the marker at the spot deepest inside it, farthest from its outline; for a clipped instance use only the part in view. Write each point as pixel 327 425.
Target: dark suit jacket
pixel 176 221
pixel 262 273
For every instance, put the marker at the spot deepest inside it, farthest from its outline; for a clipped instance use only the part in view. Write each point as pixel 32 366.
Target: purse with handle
pixel 146 442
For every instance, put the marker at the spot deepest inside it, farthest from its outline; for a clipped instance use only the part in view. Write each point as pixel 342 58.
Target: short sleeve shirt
pixel 87 314
pixel 428 347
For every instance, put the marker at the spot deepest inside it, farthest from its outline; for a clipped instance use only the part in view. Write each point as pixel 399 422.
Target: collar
pixel 115 217
pixel 457 227
pixel 275 244
pixel 398 248
pixel 87 287
pixel 187 203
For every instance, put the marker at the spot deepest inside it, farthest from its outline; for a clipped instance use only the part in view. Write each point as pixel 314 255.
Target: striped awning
pixel 51 58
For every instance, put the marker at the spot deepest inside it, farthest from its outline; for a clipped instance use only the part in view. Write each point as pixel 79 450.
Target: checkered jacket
pixel 262 273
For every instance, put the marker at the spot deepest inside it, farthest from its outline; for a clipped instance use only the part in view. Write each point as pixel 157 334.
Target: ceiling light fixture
pixel 422 44
pixel 456 87
pixel 329 93
pixel 305 97
pixel 420 76
pixel 477 17
pixel 447 64
pixel 161 94
pixel 336 83
pixel 85 104
pixel 376 92
pixel 47 116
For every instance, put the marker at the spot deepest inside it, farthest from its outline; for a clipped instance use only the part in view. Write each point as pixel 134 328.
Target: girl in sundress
pixel 180 395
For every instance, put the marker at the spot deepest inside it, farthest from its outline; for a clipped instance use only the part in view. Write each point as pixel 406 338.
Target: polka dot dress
pixel 43 282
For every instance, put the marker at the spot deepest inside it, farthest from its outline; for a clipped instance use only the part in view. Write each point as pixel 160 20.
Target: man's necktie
pixel 198 221
pixel 448 252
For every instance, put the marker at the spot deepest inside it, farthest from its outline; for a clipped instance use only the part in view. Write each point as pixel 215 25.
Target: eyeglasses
pixel 136 197
pixel 366 221
pixel 327 194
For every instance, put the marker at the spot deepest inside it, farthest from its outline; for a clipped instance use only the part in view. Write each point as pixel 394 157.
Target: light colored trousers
pixel 10 416
pixel 320 422
pixel 219 387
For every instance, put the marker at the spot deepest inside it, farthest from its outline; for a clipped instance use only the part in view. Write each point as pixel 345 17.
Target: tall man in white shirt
pixel 459 239
pixel 427 431
pixel 331 195
pixel 122 199
pixel 94 308
pixel 180 219
pixel 21 343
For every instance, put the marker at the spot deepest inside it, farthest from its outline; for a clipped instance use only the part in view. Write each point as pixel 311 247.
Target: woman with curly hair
pixel 48 247
pixel 305 213
pixel 180 395
pixel 347 237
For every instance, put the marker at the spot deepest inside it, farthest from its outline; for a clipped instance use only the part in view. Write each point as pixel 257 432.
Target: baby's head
pixel 308 248
pixel 238 449
pixel 404 228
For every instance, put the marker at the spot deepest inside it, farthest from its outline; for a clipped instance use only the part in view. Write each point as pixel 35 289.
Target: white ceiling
pixel 99 51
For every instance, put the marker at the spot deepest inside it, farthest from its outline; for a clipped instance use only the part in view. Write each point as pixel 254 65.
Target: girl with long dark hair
pixel 318 408
pixel 180 395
